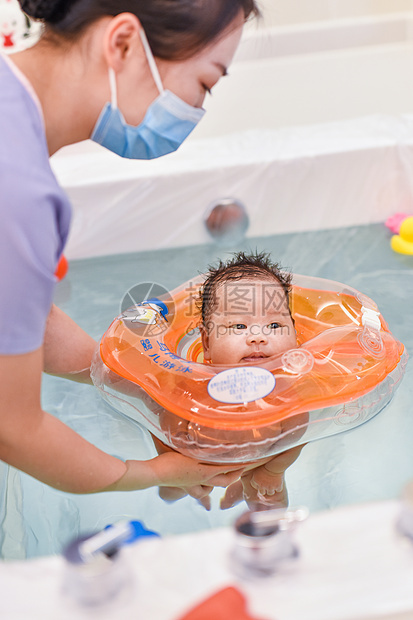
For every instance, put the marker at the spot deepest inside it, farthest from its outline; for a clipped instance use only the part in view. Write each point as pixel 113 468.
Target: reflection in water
pixel 227 221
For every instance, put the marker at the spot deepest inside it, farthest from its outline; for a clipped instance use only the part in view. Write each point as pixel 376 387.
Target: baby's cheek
pixel 292 340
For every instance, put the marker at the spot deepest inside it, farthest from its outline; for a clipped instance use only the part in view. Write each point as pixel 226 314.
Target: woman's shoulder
pixel 22 135
pixel 26 177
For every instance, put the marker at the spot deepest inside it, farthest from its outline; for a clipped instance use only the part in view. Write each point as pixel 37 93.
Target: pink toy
pixel 394 222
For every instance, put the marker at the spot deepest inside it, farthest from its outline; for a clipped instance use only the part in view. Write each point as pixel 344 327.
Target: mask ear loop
pixel 113 88
pixel 151 61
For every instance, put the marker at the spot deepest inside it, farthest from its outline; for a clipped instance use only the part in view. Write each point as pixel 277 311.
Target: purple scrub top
pixel 34 217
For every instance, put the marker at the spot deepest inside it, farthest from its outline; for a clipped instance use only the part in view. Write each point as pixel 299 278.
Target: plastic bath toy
pixel 394 222
pixel 403 242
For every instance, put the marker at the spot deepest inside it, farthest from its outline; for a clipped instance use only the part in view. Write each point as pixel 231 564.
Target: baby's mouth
pixel 253 357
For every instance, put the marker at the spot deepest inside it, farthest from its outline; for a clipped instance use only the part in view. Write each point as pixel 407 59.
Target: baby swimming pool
pixel 371 462
pixel 316 193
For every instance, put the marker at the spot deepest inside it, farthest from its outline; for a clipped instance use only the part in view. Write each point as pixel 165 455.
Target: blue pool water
pixel 371 462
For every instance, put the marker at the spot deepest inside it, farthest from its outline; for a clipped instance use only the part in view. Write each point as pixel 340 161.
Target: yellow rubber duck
pixel 403 242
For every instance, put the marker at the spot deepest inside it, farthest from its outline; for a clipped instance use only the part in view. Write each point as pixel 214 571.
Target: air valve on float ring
pixel 370 338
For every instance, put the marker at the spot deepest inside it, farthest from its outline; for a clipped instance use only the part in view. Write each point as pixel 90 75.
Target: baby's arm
pixel 244 490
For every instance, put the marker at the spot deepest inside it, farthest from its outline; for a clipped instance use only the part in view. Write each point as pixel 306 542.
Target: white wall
pixel 307 89
pixel 16 33
pixel 281 12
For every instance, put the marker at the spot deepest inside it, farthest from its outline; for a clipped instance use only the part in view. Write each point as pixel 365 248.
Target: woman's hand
pixel 172 469
pixel 175 470
pixel 200 492
pixel 172 494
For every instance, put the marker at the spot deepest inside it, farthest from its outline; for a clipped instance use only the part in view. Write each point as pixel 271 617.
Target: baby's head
pixel 245 314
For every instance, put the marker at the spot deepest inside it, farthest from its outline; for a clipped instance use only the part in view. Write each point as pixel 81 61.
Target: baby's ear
pixel 205 342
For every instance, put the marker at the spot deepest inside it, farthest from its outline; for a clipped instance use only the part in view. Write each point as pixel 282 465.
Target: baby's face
pixel 251 322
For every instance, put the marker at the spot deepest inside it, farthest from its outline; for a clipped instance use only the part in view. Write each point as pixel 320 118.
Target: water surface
pixel 368 463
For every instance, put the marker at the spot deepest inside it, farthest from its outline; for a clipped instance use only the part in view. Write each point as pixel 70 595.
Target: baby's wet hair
pixel 256 265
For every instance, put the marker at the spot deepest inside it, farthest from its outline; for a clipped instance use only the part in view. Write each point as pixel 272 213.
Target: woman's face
pixel 189 79
pixel 193 78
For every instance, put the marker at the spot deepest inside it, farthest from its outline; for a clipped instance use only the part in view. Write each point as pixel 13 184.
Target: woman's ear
pixel 122 40
pixel 205 342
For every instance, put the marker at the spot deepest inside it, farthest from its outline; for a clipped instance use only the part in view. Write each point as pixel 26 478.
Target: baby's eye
pixel 238 326
pixel 274 325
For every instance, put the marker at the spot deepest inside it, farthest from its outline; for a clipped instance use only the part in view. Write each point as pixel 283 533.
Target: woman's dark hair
pixel 240 267
pixel 176 29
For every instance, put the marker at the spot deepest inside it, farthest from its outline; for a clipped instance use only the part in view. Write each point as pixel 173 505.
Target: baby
pixel 245 319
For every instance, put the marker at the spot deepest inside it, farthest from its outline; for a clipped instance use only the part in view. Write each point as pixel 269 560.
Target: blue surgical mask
pixel 168 121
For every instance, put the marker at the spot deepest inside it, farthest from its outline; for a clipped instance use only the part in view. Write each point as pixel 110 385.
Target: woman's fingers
pixel 171 494
pixel 205 502
pixel 233 495
pixel 224 480
pixel 199 491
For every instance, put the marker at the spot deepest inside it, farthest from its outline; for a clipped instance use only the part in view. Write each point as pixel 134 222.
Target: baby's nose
pixel 257 335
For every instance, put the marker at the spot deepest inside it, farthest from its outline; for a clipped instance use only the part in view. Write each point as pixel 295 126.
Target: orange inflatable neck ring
pixel 343 372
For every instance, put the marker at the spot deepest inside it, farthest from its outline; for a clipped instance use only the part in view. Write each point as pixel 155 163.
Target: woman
pixel 132 75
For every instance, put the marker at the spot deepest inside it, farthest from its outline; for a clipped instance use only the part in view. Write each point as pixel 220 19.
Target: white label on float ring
pixel 241 385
